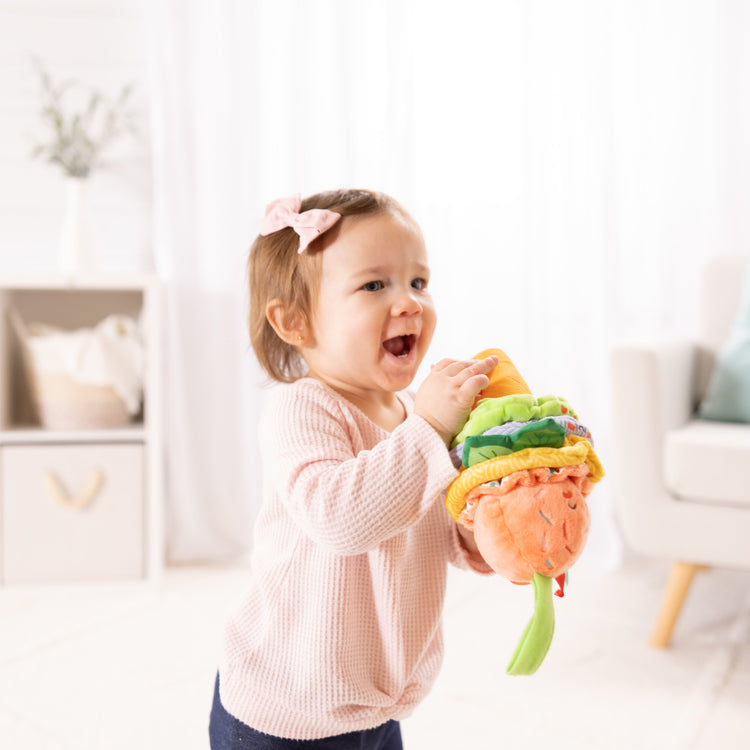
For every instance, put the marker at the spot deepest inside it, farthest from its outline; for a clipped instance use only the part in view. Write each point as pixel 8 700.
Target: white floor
pixel 132 666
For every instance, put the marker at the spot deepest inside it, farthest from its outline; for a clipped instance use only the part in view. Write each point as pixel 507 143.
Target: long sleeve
pixel 343 496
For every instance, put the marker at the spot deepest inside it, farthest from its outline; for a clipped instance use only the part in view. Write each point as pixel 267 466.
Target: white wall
pixel 99 43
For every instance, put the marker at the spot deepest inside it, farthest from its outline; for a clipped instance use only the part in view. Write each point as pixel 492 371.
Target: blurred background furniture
pixel 682 483
pixel 79 504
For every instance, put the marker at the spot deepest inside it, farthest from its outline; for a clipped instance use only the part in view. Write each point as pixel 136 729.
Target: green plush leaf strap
pixel 543 433
pixel 536 639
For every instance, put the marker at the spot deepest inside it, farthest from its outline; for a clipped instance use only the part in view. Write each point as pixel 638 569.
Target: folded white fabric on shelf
pixel 110 354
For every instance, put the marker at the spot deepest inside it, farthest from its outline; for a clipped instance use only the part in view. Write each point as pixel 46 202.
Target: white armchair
pixel 682 484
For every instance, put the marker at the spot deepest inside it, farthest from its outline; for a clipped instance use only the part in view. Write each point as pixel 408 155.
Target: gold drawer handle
pixel 60 494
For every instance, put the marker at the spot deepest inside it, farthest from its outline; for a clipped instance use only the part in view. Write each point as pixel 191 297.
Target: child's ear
pixel 290 324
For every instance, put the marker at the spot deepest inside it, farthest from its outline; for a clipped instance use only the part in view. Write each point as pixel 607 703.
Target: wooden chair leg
pixel 680 578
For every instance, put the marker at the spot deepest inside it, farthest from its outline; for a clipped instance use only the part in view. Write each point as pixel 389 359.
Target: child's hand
pixel 445 397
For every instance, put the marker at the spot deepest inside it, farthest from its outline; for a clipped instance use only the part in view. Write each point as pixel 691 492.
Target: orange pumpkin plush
pixel 527 465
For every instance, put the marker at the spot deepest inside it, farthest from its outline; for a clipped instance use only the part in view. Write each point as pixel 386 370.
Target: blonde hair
pixel 277 271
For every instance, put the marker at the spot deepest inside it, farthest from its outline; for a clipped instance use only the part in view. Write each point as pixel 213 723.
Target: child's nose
pixel 406 303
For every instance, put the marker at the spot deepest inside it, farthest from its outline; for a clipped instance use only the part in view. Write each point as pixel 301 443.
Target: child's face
pixel 374 318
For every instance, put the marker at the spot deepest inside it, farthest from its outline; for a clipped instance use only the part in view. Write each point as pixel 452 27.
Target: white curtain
pixel 573 165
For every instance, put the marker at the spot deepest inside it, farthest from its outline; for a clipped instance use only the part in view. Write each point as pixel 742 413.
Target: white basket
pixel 62 403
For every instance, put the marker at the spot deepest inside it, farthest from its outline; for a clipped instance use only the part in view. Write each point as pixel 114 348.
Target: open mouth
pixel 400 346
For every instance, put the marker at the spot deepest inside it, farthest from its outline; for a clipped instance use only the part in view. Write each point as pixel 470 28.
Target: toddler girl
pixel 339 635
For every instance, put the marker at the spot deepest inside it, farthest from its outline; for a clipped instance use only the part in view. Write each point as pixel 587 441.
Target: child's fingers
pixel 485 365
pixel 469 369
pixel 473 385
pixel 444 398
pixel 464 367
pixel 457 368
pixel 476 376
pixel 440 366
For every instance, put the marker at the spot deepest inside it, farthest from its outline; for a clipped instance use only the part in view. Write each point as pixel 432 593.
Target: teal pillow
pixel 728 396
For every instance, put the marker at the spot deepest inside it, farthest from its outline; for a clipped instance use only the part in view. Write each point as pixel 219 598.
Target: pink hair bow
pixel 284 212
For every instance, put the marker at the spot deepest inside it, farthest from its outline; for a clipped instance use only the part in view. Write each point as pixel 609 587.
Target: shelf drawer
pixel 71 512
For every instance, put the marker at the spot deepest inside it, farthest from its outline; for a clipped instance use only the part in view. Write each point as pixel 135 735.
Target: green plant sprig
pixel 77 140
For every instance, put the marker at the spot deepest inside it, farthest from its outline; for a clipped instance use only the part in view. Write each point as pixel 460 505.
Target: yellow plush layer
pixel 577 450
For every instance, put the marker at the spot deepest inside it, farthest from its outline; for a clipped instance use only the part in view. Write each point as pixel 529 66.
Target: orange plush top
pixel 504 377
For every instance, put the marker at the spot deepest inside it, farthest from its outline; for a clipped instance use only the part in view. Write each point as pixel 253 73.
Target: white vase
pixel 78 242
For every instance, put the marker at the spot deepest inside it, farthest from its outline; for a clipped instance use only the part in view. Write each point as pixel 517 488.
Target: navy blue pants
pixel 228 733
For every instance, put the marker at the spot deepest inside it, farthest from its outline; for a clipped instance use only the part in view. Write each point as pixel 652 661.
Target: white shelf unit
pixel 119 533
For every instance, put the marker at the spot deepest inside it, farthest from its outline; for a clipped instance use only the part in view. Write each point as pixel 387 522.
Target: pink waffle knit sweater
pixel 340 629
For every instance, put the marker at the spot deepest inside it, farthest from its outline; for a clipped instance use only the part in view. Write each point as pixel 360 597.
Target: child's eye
pixel 373 286
pixel 419 284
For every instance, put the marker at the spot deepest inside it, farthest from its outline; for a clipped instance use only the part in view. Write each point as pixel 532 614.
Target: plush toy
pixel 527 465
